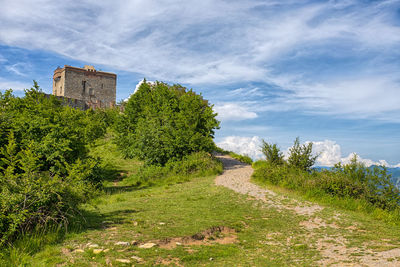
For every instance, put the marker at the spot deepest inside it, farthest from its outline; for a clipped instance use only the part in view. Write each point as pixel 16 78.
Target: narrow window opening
pixel 84 86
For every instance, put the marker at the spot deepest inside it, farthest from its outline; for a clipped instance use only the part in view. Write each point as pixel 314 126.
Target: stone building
pixel 97 89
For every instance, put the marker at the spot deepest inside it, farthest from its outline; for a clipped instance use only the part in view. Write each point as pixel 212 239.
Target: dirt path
pixel 333 248
pixel 237 175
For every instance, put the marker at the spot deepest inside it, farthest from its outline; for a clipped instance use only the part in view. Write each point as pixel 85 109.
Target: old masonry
pixel 85 87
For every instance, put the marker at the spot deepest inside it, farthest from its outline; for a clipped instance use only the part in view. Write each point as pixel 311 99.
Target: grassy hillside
pixel 194 223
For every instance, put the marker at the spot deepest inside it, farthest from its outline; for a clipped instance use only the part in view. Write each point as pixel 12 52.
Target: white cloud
pixel 18 68
pixel 233 112
pixel 329 151
pixel 214 42
pixel 2 59
pixel 15 85
pixel 249 146
pixel 330 154
pixel 137 88
pixel 350 98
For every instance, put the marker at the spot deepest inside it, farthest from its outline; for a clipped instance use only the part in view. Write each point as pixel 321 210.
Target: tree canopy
pixel 166 122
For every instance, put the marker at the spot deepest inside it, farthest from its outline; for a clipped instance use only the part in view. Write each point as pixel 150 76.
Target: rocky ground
pixel 327 234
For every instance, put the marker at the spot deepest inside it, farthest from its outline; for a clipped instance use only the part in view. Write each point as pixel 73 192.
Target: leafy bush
pixel 242 158
pixel 198 164
pixel 376 182
pixel 272 153
pixel 352 181
pixel 45 170
pixel 300 156
pixel 163 123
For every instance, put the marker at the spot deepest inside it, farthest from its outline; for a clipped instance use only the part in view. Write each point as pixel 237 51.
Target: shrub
pixel 272 153
pixel 197 164
pixel 30 197
pixel 353 181
pixel 242 158
pixel 300 156
pixel 45 170
pixel 163 123
pixel 378 186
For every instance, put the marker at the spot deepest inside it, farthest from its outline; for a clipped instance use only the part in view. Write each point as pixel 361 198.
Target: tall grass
pixel 197 164
pixel 352 187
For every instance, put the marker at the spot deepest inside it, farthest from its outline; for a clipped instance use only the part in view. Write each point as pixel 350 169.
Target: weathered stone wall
pixel 74 103
pixel 96 88
pixel 58 82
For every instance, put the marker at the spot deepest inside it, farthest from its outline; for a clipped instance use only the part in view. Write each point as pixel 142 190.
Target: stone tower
pixel 96 88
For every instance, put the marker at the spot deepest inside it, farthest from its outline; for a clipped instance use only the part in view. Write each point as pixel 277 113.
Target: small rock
pixel 121 243
pixel 147 245
pixel 178 243
pixel 137 258
pixel 161 223
pixel 93 246
pixel 211 259
pixel 97 250
pixel 123 260
pixel 79 250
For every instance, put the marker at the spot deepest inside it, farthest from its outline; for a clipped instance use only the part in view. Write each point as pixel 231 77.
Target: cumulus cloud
pixel 233 112
pixel 249 146
pixel 329 151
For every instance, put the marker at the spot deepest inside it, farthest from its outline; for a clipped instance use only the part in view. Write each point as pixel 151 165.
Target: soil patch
pixel 214 235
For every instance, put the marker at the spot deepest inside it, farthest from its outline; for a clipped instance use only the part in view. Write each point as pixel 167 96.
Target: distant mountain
pixel 395 172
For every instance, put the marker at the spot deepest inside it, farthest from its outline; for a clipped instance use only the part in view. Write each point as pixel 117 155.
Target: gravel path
pixel 237 175
pixel 333 249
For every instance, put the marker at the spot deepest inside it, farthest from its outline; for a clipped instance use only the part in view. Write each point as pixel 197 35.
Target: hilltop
pixel 146 185
pixel 198 222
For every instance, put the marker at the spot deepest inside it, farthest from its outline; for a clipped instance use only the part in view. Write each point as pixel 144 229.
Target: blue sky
pixel 327 71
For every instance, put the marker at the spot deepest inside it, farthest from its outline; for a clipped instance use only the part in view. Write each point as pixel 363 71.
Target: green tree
pixel 45 169
pixel 163 122
pixel 272 153
pixel 300 156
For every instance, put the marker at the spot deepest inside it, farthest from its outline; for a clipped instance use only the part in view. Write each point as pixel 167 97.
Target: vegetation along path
pixel 331 235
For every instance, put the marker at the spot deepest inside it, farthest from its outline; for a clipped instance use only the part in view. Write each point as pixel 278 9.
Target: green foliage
pixel 197 164
pixel 242 158
pixel 163 123
pixel 272 153
pixel 345 182
pixel 300 156
pixel 376 183
pixel 45 170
